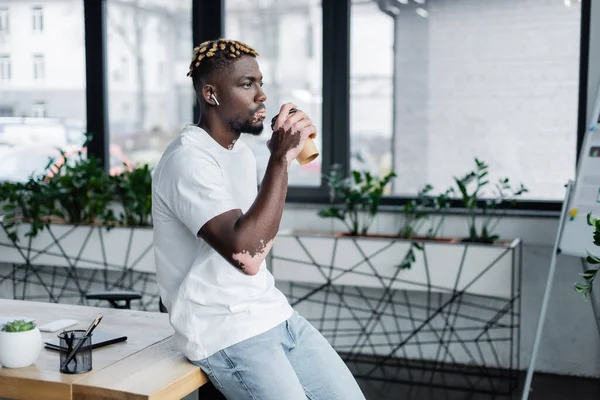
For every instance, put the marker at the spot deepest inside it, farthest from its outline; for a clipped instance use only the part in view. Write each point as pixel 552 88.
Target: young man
pixel 213 230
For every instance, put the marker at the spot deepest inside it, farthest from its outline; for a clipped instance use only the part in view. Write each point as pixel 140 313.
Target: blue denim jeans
pixel 292 361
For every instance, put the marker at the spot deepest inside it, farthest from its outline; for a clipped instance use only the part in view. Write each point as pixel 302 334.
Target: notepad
pixel 99 339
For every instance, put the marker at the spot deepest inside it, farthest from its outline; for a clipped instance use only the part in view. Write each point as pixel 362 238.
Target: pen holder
pixel 82 362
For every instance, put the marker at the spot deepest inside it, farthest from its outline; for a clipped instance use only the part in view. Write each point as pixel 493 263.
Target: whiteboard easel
pixel 574 237
pixel 542 320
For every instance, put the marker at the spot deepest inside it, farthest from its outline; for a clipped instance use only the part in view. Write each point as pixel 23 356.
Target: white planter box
pixel 82 246
pixel 374 262
pixel 456 308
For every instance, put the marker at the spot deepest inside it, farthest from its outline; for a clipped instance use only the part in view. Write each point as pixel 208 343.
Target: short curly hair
pixel 215 55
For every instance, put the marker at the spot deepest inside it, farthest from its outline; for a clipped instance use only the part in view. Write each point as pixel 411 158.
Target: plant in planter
pixel 472 189
pixel 75 189
pixel 72 189
pixel 360 197
pixel 76 215
pixel 20 344
pixel 24 202
pixel 417 213
pixel 328 270
pixel 134 191
pixel 589 275
pixel 80 191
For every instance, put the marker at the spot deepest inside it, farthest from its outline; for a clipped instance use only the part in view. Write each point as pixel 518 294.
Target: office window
pixel 37 14
pixel 38 18
pixel 5 69
pixel 144 42
pixel 310 41
pixel 435 84
pixel 278 33
pixel 160 73
pixel 4 28
pixel 38 110
pixel 38 67
pixel 39 118
pixel 6 111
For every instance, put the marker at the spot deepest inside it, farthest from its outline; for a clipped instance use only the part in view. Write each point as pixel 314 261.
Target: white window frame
pixel 4 20
pixel 39 67
pixel 7 111
pixel 37 14
pixel 38 110
pixel 5 68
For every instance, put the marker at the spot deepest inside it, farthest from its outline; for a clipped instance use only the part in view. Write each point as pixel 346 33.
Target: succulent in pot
pixel 20 344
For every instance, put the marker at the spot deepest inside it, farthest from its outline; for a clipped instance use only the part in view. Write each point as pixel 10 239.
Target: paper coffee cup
pixel 308 153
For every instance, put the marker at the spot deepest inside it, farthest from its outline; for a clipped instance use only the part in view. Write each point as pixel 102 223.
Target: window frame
pixel 37 107
pixel 37 18
pixel 5 60
pixel 39 67
pixel 4 20
pixel 208 22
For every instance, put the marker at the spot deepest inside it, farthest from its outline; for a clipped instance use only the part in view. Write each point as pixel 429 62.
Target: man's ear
pixel 209 95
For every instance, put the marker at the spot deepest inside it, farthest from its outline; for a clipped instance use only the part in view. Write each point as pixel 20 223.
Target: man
pixel 213 230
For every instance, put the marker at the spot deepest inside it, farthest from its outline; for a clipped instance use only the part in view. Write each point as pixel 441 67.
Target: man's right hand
pixel 290 134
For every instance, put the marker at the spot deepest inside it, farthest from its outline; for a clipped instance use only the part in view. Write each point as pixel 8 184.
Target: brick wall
pixel 495 79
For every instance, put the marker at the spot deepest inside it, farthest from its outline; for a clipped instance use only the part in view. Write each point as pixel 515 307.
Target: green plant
pixel 417 213
pixel 134 191
pixel 359 195
pixel 18 325
pixel 80 190
pixel 24 201
pixel 589 275
pixel 76 189
pixel 472 189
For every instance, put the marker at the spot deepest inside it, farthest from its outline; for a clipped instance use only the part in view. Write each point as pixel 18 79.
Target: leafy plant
pixel 417 212
pixel 24 201
pixel 76 189
pixel 589 275
pixel 409 257
pixel 80 189
pixel 134 191
pixel 359 195
pixel 472 189
pixel 18 325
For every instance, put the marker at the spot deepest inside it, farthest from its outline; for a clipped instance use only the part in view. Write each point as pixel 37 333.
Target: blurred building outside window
pixel 150 98
pixel 42 83
pixel 288 38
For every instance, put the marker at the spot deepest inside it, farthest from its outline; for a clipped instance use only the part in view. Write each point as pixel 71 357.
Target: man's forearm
pixel 257 228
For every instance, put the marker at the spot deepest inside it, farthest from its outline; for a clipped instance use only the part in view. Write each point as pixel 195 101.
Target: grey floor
pixel 545 387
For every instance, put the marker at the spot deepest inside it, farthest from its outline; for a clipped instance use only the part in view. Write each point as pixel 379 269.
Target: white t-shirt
pixel 211 304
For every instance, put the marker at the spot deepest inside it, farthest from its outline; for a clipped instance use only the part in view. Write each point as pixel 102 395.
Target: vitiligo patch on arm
pixel 250 260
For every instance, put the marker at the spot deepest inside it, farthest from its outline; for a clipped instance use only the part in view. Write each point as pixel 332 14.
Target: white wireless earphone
pixel 214 98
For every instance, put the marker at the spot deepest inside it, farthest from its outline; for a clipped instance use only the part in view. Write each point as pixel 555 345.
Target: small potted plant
pixel 20 344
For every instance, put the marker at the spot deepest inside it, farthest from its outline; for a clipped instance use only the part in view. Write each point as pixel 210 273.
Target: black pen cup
pixel 82 361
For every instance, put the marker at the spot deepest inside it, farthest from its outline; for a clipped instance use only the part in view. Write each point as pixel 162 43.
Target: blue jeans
pixel 292 361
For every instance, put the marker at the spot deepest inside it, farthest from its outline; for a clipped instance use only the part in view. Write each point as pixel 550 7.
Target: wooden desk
pixel 146 366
